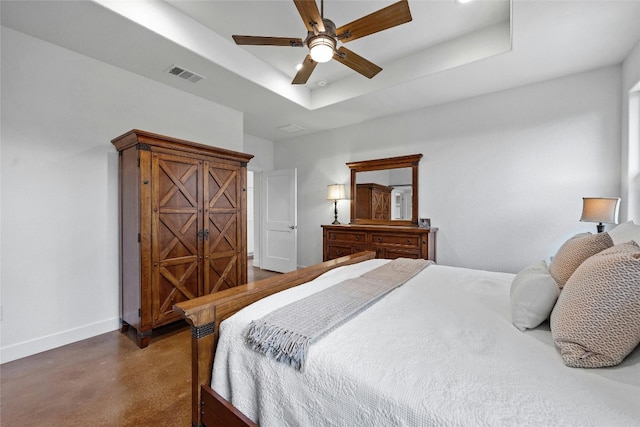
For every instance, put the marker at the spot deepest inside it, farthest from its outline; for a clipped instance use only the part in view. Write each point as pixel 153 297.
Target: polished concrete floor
pixel 104 381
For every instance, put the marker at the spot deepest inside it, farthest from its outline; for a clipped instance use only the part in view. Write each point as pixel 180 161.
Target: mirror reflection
pixel 385 191
pixel 384 194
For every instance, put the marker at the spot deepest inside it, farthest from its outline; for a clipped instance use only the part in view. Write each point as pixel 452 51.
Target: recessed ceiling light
pixel 298 67
pixel 322 83
pixel 463 1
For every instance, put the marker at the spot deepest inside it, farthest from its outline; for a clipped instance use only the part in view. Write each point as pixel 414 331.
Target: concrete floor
pixel 104 381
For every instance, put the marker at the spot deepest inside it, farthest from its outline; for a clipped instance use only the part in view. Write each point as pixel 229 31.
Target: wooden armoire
pixel 183 219
pixel 374 201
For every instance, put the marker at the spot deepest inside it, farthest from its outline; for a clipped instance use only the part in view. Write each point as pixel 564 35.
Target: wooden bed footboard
pixel 204 314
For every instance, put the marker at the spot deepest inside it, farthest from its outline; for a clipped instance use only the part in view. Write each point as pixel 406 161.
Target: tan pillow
pixel 596 320
pixel 573 253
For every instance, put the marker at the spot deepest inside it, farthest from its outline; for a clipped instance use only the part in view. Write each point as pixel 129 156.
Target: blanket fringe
pixel 283 345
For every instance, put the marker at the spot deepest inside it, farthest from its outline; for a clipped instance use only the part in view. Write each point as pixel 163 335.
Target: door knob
pixel 293 227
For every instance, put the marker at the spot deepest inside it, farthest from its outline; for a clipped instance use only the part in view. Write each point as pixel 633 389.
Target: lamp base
pixel 335 213
pixel 600 227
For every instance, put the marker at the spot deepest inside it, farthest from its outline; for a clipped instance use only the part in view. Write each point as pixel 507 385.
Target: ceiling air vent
pixel 185 74
pixel 291 128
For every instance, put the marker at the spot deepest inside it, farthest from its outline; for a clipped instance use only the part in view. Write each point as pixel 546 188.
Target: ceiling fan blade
pixel 308 10
pixel 356 62
pixel 268 41
pixel 390 16
pixel 303 73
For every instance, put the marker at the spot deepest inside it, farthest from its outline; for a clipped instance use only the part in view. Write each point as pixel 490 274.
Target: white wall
pixel 630 204
pixel 503 175
pixel 59 248
pixel 262 149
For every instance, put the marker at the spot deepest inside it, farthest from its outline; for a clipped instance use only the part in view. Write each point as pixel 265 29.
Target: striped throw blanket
pixel 286 333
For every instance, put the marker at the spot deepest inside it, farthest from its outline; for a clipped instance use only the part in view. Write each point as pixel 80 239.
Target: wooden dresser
pixel 183 219
pixel 389 241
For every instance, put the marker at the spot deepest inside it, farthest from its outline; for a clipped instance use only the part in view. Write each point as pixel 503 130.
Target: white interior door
pixel 279 219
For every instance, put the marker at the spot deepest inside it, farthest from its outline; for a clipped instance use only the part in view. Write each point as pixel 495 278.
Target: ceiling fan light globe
pixel 321 53
pixel 321 48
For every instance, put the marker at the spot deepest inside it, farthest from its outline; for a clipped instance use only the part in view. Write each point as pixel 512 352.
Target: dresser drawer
pixel 336 251
pixel 393 253
pixel 408 240
pixel 347 237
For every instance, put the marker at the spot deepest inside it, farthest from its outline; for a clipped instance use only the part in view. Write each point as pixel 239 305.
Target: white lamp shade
pixel 600 209
pixel 336 192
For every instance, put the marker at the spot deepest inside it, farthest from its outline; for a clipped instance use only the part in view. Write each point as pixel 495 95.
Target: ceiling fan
pixel 323 36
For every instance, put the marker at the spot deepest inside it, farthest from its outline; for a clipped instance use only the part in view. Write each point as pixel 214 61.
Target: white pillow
pixel 625 232
pixel 533 294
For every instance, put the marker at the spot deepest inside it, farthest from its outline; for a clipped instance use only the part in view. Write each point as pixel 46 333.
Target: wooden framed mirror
pixel 385 191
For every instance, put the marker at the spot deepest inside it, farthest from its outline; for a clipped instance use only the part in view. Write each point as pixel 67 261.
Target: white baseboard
pixel 48 342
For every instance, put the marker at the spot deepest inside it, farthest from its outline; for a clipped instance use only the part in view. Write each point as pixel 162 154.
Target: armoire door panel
pixel 176 232
pixel 177 282
pixel 222 232
pixel 178 182
pixel 222 181
pixel 381 206
pixel 222 194
pixel 222 269
pixel 177 219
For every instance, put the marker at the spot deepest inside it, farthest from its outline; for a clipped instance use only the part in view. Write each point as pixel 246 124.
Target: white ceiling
pixel 449 51
pixel 433 22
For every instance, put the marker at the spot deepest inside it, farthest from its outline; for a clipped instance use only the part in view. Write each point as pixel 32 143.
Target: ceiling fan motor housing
pixel 322 45
pixel 329 32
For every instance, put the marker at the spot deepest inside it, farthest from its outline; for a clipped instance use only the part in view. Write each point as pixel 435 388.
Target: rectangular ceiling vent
pixel 185 74
pixel 291 128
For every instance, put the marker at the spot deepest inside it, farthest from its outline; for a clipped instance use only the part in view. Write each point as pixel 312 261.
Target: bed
pixel 441 349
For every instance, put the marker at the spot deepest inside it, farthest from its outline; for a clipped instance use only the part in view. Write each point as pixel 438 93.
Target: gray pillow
pixel 596 321
pixel 573 253
pixel 533 295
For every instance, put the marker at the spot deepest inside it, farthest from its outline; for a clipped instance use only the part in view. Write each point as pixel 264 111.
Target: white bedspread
pixel 439 351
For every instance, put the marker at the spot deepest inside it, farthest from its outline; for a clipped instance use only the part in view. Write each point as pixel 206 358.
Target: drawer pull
pixel 408 240
pixel 379 239
pixel 357 237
